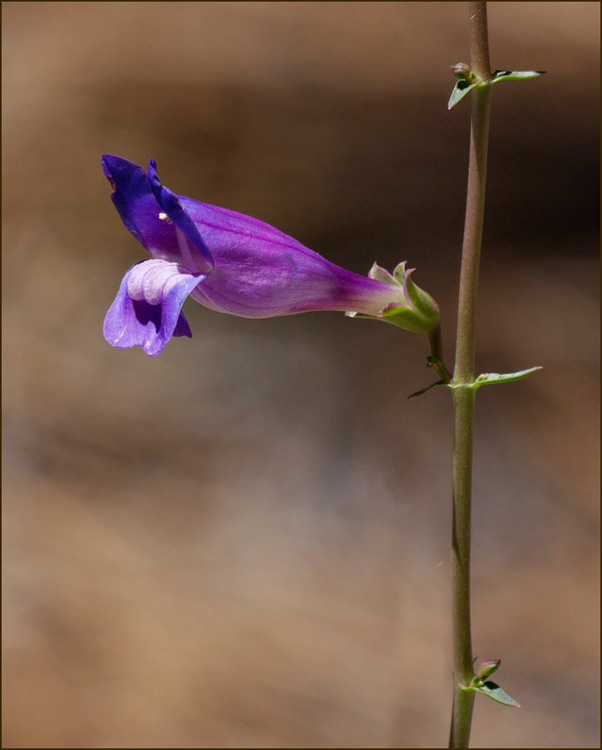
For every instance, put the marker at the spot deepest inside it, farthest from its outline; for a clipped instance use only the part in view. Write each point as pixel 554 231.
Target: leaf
pixel 495 692
pixel 515 75
pixel 459 92
pixel 462 87
pixel 493 378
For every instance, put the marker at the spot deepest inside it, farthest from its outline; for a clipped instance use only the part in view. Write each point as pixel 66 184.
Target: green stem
pixel 464 374
pixel 464 402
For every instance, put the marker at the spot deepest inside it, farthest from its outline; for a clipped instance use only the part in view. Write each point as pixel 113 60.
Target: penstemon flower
pixel 234 264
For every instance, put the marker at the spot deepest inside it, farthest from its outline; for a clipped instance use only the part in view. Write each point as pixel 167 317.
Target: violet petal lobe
pixel 147 309
pixel 194 252
pixel 135 201
pixel 145 218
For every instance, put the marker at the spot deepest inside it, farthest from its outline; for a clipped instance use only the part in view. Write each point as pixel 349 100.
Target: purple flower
pixel 234 264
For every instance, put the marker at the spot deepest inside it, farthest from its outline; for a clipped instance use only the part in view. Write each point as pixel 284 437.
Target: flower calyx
pixel 417 311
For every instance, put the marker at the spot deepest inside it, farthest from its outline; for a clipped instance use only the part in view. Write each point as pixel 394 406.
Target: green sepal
pixel 495 692
pixel 460 90
pixel 418 313
pixel 515 75
pixel 408 319
pixel 426 309
pixel 380 274
pixel 402 317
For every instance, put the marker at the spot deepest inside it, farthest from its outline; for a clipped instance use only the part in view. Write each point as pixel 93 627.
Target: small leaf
pixel 459 92
pixel 515 75
pixel 493 378
pixel 495 692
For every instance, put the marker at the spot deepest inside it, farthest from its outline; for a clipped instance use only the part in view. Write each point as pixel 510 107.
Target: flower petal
pixel 147 220
pixel 262 273
pixel 147 309
pixel 170 204
pixel 136 203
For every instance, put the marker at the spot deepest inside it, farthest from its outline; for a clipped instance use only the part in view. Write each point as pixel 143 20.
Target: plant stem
pixel 464 374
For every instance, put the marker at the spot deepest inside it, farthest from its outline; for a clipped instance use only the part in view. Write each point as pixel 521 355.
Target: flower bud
pixel 463 72
pixel 488 668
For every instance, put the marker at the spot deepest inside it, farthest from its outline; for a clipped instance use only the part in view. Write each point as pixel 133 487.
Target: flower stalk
pixel 436 358
pixel 464 376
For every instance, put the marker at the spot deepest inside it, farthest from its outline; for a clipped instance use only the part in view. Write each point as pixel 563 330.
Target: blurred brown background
pixel 245 542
